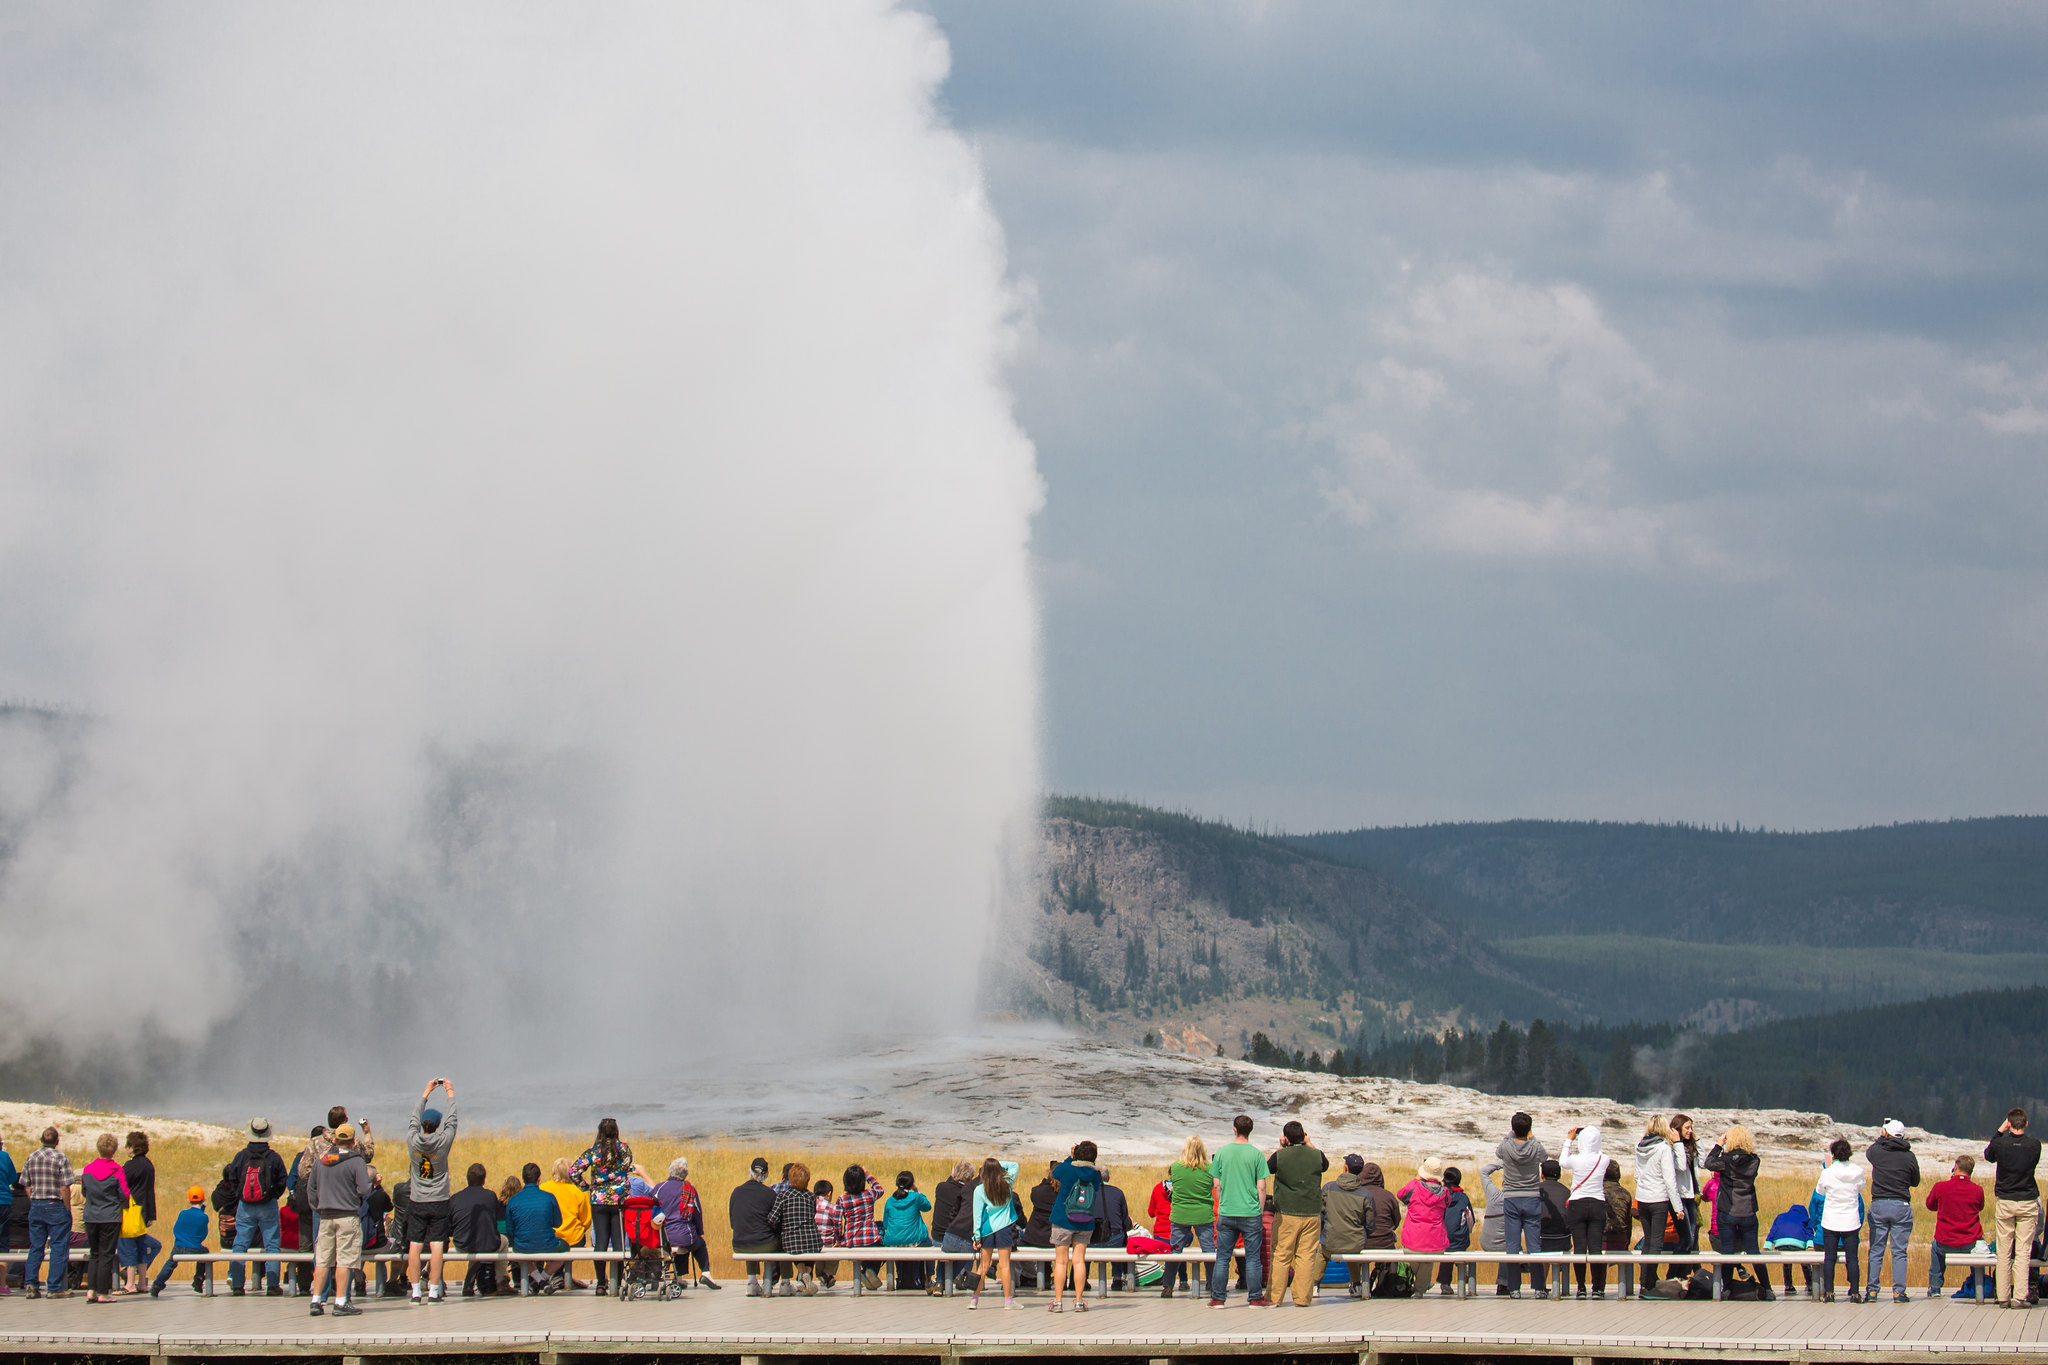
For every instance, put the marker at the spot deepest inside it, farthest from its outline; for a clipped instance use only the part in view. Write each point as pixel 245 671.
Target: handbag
pixel 131 1220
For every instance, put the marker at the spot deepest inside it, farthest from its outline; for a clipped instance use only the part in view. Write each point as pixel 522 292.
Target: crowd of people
pixel 1284 1211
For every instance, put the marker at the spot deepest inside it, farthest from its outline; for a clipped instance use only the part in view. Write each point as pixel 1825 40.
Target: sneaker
pixel 1599 1293
pixel 314 1310
pixel 434 1294
pixel 155 1290
pixel 1166 1290
pixel 1215 1303
pixel 1514 1293
pixel 1261 1301
pixel 273 1293
pixel 810 1287
pixel 236 1293
pixel 1011 1303
pixel 1582 1291
pixel 345 1309
pixel 416 1296
pixel 974 1302
pixel 870 1280
pixel 1898 1296
pixel 753 1288
pixel 33 1291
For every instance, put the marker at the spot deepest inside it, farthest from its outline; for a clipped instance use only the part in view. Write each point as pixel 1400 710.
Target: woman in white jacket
pixel 1656 1178
pixel 1585 1208
pixel 1841 1218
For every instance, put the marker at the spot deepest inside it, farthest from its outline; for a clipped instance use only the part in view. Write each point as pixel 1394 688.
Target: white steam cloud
pixel 527 498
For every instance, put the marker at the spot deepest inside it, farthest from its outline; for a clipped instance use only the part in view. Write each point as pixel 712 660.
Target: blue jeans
pixel 252 1220
pixel 1891 1221
pixel 138 1251
pixel 951 1271
pixel 1249 1228
pixel 1937 1270
pixel 1525 1233
pixel 163 1277
pixel 1184 1236
pixel 49 1224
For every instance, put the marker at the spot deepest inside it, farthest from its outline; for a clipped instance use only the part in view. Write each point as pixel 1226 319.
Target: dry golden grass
pixel 716 1168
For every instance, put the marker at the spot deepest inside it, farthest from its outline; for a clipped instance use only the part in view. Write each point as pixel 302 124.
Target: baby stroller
pixel 645 1275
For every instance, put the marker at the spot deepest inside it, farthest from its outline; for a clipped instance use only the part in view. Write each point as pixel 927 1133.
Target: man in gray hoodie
pixel 338 1181
pixel 429 1222
pixel 1521 1175
pixel 1347 1218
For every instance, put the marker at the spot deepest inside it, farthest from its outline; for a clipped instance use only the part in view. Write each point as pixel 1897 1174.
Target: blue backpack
pixel 1079 1206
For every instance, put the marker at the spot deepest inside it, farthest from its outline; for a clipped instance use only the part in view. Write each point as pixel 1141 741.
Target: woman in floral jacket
pixel 604 1169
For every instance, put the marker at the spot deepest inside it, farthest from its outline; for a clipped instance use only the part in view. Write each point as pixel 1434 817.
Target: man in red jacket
pixel 1958 1206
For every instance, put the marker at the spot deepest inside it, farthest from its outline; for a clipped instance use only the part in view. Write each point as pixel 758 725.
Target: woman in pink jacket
pixel 105 1188
pixel 1423 1228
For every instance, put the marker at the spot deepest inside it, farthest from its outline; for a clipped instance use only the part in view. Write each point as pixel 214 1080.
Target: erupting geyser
pixel 526 504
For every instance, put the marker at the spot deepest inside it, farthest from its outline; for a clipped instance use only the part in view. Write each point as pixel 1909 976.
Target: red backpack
pixel 252 1182
pixel 637 1212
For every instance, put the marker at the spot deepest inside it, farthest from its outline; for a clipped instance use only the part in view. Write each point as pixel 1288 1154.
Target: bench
pixel 370 1258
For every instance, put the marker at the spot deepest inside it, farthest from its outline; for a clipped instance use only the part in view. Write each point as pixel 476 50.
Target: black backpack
pixel 302 1199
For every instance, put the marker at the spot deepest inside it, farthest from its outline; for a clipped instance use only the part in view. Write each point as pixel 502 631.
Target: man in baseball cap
pixel 1894 1171
pixel 747 1213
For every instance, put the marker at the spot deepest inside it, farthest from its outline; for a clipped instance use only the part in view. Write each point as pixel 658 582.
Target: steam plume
pixel 526 496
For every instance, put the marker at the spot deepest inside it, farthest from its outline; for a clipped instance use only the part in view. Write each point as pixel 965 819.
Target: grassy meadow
pixel 717 1167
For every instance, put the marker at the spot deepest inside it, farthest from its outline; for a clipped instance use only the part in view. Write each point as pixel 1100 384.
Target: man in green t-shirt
pixel 1241 1186
pixel 1298 1213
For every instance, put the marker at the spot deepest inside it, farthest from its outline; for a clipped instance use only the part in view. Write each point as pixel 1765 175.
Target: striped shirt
pixel 47 1173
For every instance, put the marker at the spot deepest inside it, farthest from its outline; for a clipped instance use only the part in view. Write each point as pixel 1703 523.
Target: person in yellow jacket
pixel 575 1204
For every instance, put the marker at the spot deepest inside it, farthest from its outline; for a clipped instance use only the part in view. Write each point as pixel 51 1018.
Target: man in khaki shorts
pixel 340 1182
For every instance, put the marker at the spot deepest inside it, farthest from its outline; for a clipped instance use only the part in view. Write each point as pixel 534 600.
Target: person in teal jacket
pixel 903 1226
pixel 995 1228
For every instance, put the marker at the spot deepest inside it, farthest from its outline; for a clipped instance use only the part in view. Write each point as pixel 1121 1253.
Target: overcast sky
pixel 1621 411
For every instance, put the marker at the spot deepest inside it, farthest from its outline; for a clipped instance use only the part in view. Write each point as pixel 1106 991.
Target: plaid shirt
pixel 47 1173
pixel 827 1219
pixel 855 1214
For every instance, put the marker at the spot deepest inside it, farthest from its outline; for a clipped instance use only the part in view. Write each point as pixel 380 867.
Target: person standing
pixel 1240 1174
pixel 1894 1172
pixel 8 1175
pixel 1521 1160
pixel 995 1229
pixel 1347 1219
pixel 1736 1212
pixel 1297 1170
pixel 1685 1188
pixel 256 1177
pixel 1841 1218
pixel 106 1198
pixel 1656 1180
pixel 1957 1204
pixel 337 1184
pixel 1457 1228
pixel 139 1252
pixel 1192 1209
pixel 429 1141
pixel 1076 1202
pixel 604 1170
pixel 1585 1209
pixel 48 1176
pixel 2018 1215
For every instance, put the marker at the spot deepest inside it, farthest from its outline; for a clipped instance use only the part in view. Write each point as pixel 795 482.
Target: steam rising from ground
pixel 527 496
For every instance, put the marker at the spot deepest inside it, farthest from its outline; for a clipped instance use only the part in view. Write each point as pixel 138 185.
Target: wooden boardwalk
pixel 727 1323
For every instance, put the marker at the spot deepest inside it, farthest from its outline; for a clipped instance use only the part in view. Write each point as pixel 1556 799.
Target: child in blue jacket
pixel 188 1235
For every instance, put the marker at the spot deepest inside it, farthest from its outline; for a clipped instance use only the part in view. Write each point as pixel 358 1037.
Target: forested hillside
pixel 1953 1064
pixel 1156 918
pixel 1963 885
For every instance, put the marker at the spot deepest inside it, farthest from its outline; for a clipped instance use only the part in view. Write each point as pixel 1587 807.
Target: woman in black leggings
pixel 1585 1210
pixel 606 1169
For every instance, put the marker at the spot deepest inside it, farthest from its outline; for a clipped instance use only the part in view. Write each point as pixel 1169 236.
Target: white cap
pixel 1893 1128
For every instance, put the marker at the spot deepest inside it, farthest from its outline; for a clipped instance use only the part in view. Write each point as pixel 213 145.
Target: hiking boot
pixel 1166 1290
pixel 273 1293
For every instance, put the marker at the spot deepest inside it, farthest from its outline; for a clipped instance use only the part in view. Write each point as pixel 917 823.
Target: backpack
pixel 301 1200
pixel 1700 1285
pixel 224 1195
pixel 680 1228
pixel 252 1182
pixel 1079 1205
pixel 1393 1280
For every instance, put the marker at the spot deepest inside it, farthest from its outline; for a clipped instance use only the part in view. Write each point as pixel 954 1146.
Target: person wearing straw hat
pixel 257 1176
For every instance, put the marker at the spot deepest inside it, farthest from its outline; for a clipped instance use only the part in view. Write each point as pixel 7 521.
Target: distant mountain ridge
pixel 1977 885
pixel 1150 921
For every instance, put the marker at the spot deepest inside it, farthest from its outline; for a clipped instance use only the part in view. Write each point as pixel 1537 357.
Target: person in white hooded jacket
pixel 1840 1188
pixel 1585 1211
pixel 1656 1178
